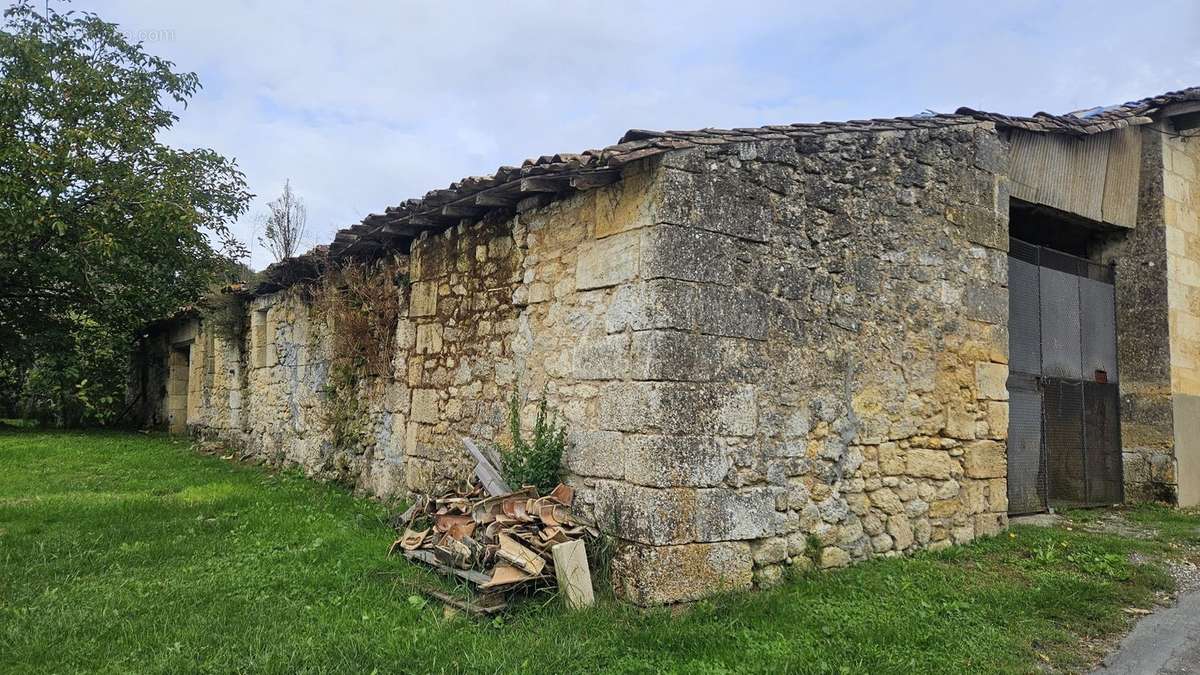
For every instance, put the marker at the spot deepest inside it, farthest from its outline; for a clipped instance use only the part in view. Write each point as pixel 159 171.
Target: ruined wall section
pixel 263 391
pixel 820 348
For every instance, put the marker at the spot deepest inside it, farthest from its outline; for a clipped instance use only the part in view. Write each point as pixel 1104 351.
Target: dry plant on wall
pixel 360 303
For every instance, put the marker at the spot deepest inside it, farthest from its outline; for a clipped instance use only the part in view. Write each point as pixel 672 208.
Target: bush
pixel 536 462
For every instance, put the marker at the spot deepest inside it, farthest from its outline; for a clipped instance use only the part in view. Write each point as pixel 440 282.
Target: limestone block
pixel 768 577
pixel 990 524
pixel 943 508
pixel 625 205
pixel 679 305
pixel 676 407
pixel 769 551
pixel 981 224
pixel 987 303
pixel 423 298
pixel 973 497
pixel 881 543
pixel 670 461
pixel 886 500
pixel 647 515
pixel 659 575
pixel 926 463
pixel 688 357
pixel 991 381
pixel 688 254
pixel 985 459
pixel 960 422
pixel 715 201
pixel 429 338
pixel 727 514
pixel 996 416
pixel 604 357
pixel 891 460
pixel 607 262
pixel 900 528
pixel 990 153
pixel 424 406
pixel 998 495
pixel 832 556
pixel 595 453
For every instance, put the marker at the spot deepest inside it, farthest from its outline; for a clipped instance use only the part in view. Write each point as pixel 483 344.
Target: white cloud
pixel 363 105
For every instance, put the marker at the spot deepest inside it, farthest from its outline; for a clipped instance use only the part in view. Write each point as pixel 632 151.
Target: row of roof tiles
pixel 538 181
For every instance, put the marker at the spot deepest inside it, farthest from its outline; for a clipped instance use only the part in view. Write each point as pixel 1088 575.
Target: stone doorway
pixel 178 368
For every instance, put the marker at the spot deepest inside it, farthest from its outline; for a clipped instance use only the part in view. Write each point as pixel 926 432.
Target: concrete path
pixel 1165 642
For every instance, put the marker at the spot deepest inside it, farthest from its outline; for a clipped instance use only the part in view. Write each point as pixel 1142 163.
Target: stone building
pixel 788 345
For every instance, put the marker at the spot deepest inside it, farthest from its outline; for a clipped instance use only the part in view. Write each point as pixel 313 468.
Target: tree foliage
pixel 102 227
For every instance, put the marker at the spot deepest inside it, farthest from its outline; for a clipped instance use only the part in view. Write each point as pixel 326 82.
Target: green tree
pixel 102 227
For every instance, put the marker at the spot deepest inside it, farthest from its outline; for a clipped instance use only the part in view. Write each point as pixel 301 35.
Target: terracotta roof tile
pixel 564 173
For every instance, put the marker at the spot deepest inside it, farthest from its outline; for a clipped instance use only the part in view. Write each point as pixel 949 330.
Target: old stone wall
pixel 492 310
pixel 1143 340
pixel 1181 202
pixel 818 359
pixel 766 354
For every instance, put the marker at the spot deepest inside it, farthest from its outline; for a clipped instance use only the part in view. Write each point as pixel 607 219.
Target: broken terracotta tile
pixel 565 494
pixel 520 556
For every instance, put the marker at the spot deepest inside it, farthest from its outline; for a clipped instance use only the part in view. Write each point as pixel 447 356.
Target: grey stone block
pixel 604 357
pixel 717 202
pixel 679 408
pixel 646 515
pixel 688 254
pixel 676 461
pixel 724 514
pixel 598 454
pixel 688 357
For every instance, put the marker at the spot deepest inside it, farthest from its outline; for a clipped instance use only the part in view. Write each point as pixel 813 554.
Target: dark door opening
pixel 1064 445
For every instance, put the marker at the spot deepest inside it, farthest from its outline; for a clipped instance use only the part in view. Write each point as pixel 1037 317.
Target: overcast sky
pixel 362 105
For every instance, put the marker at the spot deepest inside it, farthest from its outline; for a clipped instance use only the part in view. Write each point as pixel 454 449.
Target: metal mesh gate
pixel 1064 425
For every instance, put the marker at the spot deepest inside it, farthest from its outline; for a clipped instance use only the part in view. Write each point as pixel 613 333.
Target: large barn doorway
pixel 1064 440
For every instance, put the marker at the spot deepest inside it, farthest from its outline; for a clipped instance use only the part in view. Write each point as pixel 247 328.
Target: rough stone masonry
pixel 772 348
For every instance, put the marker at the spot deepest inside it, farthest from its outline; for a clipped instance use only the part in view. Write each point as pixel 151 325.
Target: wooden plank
pixel 571 571
pixel 462 210
pixel 430 559
pixel 595 179
pixel 489 475
pixel 482 608
pixel 1120 205
pixel 545 183
pixel 497 198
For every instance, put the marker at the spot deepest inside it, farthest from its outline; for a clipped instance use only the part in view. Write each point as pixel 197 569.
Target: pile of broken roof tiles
pixel 501 541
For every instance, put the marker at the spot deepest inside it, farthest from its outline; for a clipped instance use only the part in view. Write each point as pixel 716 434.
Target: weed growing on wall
pixel 537 461
pixel 360 303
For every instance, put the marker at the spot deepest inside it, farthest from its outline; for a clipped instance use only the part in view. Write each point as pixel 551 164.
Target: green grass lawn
pixel 126 552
